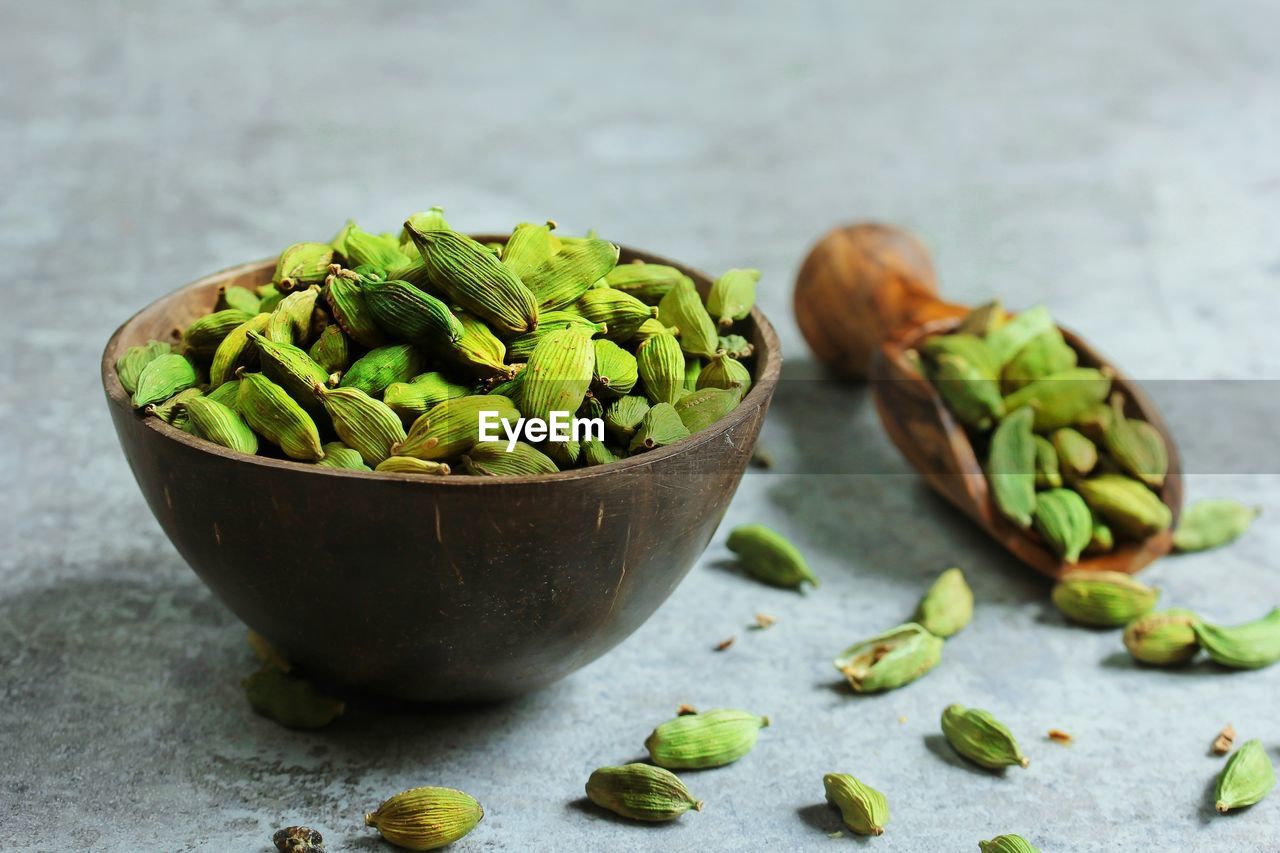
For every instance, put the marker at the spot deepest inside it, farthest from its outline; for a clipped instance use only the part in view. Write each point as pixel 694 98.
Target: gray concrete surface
pixel 1116 161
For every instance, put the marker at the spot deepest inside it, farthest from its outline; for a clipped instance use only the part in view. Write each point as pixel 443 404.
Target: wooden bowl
pixel 869 293
pixel 452 588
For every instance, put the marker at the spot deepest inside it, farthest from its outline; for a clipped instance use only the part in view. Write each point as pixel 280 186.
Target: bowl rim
pixel 768 370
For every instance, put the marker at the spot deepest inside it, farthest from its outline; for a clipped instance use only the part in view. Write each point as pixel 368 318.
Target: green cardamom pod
pixel 413 398
pixel 428 220
pixel 767 556
pixel 947 606
pixel 1008 844
pixel 290 368
pixel 557 376
pixel 1247 778
pixel 301 264
pixel 660 363
pixel 641 792
pixel 1048 473
pixel 616 371
pixel 623 416
pixel 476 280
pixel 1011 466
pixel 1128 506
pixel 646 282
pixel 623 314
pixel 409 465
pixel 161 378
pixel 522 346
pixel 972 393
pixel 1077 455
pixel 1103 599
pixel 236 350
pixel 984 319
pixel 479 350
pixel 732 296
pixel 173 411
pixel 227 394
pixel 529 247
pixel 967 348
pixel 660 427
pixel 862 808
pixel 890 659
pixel 492 459
pixel 200 340
pixel 240 298
pixel 1163 638
pixel 1044 355
pixel 736 346
pixel 566 454
pixel 220 424
pixel 979 737
pixel 724 371
pixel 364 424
pixel 332 350
pixel 1011 336
pixel 408 314
pixel 268 298
pixel 379 251
pixel 338 455
pixel 1094 422
pixel 278 418
pixel 350 309
pixel 596 452
pixel 1060 399
pixel 647 329
pixel 1139 449
pixel 289 700
pixel 1213 523
pixel 564 277
pixel 426 818
pixel 692 373
pixel 1065 523
pixel 700 409
pixel 380 367
pixel 453 427
pixel 1102 539
pixel 291 321
pixel 1252 645
pixel 683 308
pixel 130 364
pixel 708 739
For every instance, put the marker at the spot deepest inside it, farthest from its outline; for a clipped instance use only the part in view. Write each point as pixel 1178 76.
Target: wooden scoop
pixel 864 296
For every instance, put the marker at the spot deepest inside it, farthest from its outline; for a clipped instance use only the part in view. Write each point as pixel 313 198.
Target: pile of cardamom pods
pixel 1062 456
pixel 380 351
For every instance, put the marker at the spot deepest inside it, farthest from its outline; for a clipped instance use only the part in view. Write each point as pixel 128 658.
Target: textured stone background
pixel 1116 161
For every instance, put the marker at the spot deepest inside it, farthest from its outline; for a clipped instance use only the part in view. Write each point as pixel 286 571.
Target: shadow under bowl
pixel 437 589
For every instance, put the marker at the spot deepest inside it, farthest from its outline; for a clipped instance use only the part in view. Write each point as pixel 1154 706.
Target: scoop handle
pixel 862 285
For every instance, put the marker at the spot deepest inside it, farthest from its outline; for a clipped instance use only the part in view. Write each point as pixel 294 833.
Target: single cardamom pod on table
pixel 862 808
pixel 1247 778
pixel 979 737
pixel 890 659
pixel 708 739
pixel 1103 599
pixel 426 818
pixel 641 792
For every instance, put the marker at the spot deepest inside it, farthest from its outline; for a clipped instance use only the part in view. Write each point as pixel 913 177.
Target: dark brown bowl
pixel 434 589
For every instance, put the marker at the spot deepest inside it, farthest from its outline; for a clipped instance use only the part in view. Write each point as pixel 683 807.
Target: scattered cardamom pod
pixel 891 659
pixel 1008 844
pixel 290 700
pixel 767 556
pixel 1212 524
pixel 1247 778
pixel 947 606
pixel 1103 599
pixel 1163 638
pixel 862 808
pixel 641 792
pixel 979 737
pixel 708 739
pixel 426 818
pixel 1252 645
